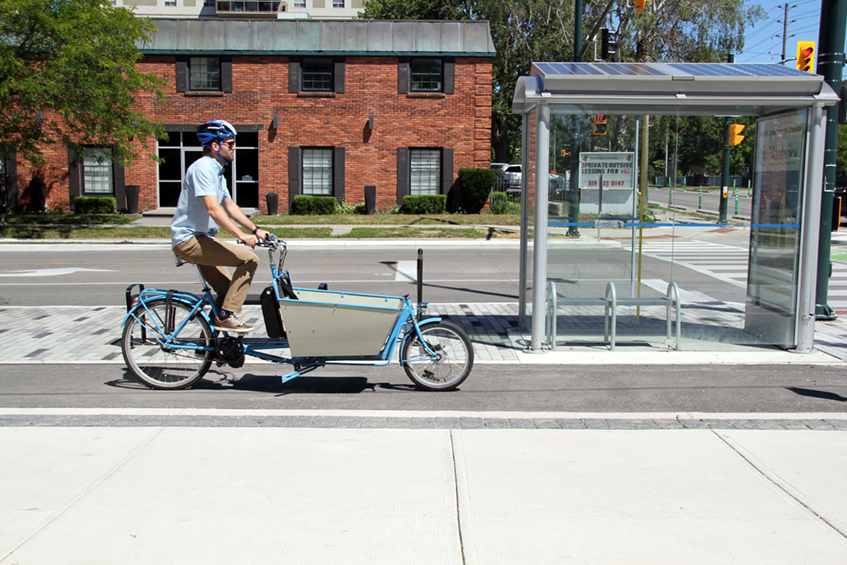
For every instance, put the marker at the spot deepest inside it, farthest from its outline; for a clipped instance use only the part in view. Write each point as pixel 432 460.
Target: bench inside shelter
pixel 558 304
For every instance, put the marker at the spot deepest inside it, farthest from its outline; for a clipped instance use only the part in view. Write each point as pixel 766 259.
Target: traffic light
pixel 566 153
pixel 806 56
pixel 639 6
pixel 599 124
pixel 609 43
pixel 735 136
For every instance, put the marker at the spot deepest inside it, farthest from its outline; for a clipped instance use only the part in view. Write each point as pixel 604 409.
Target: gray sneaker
pixel 231 324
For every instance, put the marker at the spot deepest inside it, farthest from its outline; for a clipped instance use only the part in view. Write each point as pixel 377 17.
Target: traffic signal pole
pixel 724 175
pixel 830 65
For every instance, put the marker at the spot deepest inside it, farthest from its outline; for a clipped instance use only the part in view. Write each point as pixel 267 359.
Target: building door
pixel 183 148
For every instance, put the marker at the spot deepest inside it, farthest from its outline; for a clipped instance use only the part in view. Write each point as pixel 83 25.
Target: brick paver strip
pixel 825 423
pixel 83 334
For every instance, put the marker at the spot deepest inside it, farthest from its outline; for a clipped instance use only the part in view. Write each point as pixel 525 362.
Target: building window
pixel 337 3
pixel 426 75
pixel 97 171
pixel 317 172
pixel 424 171
pixel 204 73
pixel 299 3
pixel 316 74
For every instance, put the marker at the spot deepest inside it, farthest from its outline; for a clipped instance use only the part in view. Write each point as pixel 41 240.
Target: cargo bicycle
pixel 168 341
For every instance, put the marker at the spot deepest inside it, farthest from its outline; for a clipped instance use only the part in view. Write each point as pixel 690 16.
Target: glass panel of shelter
pixel 600 232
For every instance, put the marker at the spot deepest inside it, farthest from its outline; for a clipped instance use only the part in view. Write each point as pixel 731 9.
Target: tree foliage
pixel 68 76
pixel 526 31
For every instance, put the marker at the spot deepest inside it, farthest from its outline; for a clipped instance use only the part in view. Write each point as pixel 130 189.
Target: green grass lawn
pixel 392 220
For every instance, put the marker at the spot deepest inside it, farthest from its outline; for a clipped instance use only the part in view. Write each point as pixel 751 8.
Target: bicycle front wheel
pixel 166 367
pixel 447 366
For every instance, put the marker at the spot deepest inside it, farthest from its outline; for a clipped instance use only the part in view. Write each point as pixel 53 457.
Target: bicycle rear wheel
pixel 453 359
pixel 163 367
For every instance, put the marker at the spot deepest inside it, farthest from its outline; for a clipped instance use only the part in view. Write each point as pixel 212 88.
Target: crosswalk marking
pixel 722 262
pixel 729 264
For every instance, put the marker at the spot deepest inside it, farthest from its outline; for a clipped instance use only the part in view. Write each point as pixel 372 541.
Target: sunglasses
pixel 229 144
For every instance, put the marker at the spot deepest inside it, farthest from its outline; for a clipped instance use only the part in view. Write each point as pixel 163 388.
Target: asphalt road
pixel 536 388
pixel 691 200
pixel 101 275
pixel 91 275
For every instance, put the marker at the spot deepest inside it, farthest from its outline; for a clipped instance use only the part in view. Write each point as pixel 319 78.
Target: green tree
pixel 841 152
pixel 405 10
pixel 524 31
pixel 68 76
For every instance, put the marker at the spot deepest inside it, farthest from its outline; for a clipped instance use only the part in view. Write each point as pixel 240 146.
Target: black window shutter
pixel 73 176
pixel 446 170
pixel 12 181
pixel 226 74
pixel 403 75
pixel 181 74
pixel 120 182
pixel 449 76
pixel 338 173
pixel 293 174
pixel 402 173
pixel 293 74
pixel 339 70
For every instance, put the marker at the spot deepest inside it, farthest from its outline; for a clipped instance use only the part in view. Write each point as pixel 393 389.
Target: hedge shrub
pixel 424 204
pixel 500 204
pixel 475 186
pixel 95 205
pixel 306 205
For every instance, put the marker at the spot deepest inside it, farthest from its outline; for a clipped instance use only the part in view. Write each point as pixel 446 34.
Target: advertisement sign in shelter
pixel 617 171
pixel 772 276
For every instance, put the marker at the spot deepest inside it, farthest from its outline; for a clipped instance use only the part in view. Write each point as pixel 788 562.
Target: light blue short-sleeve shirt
pixel 205 177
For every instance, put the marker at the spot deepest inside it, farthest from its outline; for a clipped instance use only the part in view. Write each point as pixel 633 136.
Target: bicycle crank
pixel 231 351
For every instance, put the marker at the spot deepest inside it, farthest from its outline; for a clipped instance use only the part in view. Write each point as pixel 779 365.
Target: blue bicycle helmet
pixel 216 130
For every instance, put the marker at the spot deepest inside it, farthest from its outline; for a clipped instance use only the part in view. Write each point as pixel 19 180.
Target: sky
pixel 763 43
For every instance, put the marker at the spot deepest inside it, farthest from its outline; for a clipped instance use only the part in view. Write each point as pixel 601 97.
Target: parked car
pixel 500 166
pixel 513 175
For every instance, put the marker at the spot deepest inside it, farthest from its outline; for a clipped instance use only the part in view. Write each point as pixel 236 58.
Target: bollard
pixel 420 280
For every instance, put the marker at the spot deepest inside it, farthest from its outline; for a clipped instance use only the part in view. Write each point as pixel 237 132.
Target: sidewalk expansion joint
pixel 777 481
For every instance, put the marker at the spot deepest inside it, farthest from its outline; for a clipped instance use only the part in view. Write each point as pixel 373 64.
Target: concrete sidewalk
pixel 182 486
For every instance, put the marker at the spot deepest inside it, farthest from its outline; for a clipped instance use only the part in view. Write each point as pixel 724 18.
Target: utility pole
pixel 785 34
pixel 830 65
pixel 722 206
pixel 573 208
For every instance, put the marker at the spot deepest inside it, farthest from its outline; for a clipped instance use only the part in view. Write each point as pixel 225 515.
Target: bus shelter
pixel 586 230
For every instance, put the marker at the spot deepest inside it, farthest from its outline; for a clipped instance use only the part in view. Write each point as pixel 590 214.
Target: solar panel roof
pixel 704 88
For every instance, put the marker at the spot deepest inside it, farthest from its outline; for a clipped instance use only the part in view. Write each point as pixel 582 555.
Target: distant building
pixel 270 9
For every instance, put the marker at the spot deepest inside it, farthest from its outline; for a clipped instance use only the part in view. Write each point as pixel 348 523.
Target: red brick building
pixel 321 107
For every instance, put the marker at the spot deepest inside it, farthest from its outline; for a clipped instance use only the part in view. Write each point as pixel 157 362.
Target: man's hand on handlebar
pixel 269 240
pixel 252 240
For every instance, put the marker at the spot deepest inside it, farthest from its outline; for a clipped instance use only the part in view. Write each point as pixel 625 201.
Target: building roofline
pixel 321 37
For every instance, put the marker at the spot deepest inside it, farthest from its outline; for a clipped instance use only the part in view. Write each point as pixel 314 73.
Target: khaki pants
pixel 213 257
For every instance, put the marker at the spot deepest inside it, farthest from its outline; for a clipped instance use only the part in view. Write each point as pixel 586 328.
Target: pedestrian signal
pixel 806 56
pixel 735 136
pixel 599 124
pixel 608 44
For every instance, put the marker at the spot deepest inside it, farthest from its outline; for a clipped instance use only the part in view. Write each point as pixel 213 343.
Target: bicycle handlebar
pixel 272 242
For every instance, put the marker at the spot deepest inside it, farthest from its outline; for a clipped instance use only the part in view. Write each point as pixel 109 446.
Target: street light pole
pixel 830 65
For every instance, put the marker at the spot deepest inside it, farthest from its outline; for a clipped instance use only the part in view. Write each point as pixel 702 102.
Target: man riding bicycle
pixel 204 206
